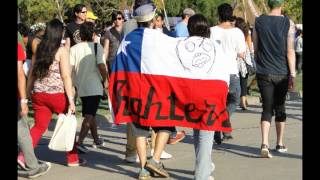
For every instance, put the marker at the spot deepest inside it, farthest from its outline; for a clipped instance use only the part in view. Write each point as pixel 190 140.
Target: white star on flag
pixel 123 47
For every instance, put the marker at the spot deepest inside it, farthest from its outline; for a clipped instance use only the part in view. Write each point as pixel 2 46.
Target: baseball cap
pixel 144 13
pixel 275 3
pixel 90 15
pixel 188 11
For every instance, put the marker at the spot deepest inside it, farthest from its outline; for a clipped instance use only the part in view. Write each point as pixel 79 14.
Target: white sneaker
pixel 213 167
pixel 164 155
pixel 133 159
pixel 210 178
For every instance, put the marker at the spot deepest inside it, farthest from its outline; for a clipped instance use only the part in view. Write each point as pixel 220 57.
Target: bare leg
pixel 86 124
pixel 265 127
pixel 153 139
pixel 280 131
pixel 161 141
pixel 141 143
pixel 94 130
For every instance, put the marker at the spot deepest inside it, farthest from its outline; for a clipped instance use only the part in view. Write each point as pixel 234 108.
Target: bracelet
pixel 70 98
pixel 23 101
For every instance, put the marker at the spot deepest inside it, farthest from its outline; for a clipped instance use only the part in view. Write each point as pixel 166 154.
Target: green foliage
pixel 292 8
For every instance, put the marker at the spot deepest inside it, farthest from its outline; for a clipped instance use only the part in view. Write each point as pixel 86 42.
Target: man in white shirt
pixel 233 45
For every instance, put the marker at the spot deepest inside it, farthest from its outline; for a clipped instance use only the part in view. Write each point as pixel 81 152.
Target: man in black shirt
pixel 72 34
pixel 273 37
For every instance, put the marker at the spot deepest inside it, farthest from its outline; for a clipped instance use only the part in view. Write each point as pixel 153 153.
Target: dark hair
pixel 225 12
pixel 48 48
pixel 115 15
pixel 242 25
pixel 298 32
pixel 198 26
pixel 160 15
pixel 78 8
pixel 23 29
pixel 86 31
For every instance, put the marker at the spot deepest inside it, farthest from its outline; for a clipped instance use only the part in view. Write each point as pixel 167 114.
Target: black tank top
pixel 272 32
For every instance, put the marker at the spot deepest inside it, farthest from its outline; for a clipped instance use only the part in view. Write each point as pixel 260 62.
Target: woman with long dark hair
pixel 51 84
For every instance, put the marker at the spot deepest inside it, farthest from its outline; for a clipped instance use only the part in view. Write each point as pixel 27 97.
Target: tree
pixel 32 11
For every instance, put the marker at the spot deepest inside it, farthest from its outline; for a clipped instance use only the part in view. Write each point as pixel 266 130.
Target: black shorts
pixel 144 131
pixel 90 105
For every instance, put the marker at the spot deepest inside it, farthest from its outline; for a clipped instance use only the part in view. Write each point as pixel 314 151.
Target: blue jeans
pixel 203 141
pixel 25 143
pixel 233 98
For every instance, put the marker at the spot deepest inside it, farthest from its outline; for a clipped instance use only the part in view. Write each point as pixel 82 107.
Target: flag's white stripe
pixel 180 57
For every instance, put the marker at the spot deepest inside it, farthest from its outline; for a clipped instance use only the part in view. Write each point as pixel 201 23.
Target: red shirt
pixel 21 53
pixel 21 57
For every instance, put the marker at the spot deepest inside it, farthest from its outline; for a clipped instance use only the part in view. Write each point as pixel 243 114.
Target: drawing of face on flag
pixel 196 54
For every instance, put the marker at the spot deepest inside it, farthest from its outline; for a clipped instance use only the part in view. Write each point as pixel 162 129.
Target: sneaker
pixel 157 168
pixel 281 149
pixel 82 149
pixel 179 137
pixel 77 163
pixel 164 155
pixel 265 151
pixel 21 161
pixel 132 159
pixel 144 174
pixel 212 167
pixel 217 137
pixel 99 144
pixel 210 178
pixel 43 169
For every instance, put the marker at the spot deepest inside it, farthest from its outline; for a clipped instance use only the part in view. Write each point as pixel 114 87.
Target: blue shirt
pixel 181 30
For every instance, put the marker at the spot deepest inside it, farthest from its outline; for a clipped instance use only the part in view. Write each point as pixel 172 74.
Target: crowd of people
pixel 59 63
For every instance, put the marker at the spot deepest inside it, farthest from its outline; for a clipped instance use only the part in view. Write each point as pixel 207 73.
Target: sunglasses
pixel 83 12
pixel 119 18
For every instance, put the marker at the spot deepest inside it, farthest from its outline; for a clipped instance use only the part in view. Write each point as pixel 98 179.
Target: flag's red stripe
pixel 157 106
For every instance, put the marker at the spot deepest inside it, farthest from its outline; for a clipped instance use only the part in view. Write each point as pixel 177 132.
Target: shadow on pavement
pixel 250 152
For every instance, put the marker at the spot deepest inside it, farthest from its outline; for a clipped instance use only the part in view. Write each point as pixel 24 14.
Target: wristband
pixel 293 74
pixel 23 101
pixel 70 98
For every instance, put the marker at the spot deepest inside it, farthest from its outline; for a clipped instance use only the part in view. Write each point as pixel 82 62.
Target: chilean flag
pixel 157 80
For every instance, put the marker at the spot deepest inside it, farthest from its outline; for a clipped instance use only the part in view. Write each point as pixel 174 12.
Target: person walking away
pixel 88 67
pixel 234 46
pixel 242 63
pixel 51 85
pixel 273 38
pixel 198 27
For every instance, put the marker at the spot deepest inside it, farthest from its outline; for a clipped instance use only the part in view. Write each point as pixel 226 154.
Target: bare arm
pixel 290 50
pixel 103 72
pixel 22 89
pixel 66 76
pixel 31 79
pixel 106 49
pixel 291 56
pixel 67 43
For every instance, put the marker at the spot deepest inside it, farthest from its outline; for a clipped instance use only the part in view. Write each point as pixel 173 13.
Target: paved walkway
pixel 237 159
